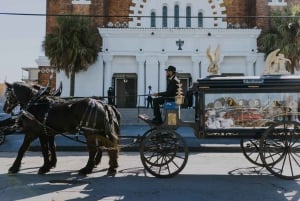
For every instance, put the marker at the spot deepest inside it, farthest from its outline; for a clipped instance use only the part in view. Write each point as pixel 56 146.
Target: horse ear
pixel 8 85
pixel 58 91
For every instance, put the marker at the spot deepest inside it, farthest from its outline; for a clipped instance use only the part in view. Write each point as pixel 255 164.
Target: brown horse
pixel 45 116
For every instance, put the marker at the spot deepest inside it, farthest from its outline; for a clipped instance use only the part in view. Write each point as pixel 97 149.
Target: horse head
pixel 17 93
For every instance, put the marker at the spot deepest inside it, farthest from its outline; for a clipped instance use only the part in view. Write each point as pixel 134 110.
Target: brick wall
pixel 44 76
pixel 113 10
pixel 119 8
pixel 100 9
pixel 236 9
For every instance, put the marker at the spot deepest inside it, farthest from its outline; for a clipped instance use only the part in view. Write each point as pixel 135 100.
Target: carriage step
pixel 145 118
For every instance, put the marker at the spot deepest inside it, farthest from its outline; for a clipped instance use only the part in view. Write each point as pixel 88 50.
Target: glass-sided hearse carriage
pixel 263 111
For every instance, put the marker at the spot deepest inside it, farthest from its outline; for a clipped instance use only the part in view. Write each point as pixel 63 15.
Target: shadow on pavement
pixel 134 184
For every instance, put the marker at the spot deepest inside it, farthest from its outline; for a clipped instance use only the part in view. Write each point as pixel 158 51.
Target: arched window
pixel 153 19
pixel 200 19
pixel 176 16
pixel 165 16
pixel 188 16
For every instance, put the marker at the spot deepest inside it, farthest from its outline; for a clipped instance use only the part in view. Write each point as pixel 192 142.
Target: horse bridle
pixel 11 98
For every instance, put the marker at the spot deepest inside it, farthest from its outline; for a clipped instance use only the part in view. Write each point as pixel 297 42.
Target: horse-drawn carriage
pixel 261 111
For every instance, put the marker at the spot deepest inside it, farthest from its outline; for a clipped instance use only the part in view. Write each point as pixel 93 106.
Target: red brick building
pixel 105 11
pixel 139 35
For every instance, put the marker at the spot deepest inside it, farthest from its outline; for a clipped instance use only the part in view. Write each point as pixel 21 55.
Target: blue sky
pixel 20 37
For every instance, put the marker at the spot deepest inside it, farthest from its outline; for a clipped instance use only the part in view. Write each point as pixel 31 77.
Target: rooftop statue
pixel 214 58
pixel 276 63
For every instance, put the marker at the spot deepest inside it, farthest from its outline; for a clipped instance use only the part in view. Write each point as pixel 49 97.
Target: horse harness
pixel 88 121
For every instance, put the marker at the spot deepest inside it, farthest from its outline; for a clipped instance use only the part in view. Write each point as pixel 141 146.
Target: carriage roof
pixel 265 81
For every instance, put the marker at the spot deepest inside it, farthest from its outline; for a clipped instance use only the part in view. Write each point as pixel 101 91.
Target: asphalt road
pixel 206 177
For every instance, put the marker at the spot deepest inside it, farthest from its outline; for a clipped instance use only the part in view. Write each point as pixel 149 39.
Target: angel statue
pixel 276 63
pixel 214 58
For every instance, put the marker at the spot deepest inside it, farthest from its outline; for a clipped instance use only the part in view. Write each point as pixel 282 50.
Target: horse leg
pixel 113 161
pixel 17 163
pixel 52 148
pixel 98 156
pixel 45 151
pixel 92 148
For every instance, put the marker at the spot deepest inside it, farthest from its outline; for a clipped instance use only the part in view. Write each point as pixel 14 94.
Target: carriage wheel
pixel 280 149
pixel 164 153
pixel 2 137
pixel 250 148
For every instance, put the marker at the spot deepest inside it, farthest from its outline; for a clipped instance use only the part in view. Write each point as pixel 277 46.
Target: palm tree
pixel 284 34
pixel 72 46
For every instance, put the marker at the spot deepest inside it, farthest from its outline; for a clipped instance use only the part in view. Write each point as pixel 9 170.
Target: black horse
pixel 30 91
pixel 45 116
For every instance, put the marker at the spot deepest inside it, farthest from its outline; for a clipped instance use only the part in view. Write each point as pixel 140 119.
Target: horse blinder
pixel 11 101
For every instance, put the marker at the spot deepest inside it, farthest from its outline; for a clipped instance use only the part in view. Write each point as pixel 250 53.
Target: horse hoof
pixel 84 172
pixel 12 171
pixel 53 166
pixel 43 170
pixel 111 172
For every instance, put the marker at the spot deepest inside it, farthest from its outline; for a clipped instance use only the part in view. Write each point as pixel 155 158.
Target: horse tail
pixel 117 115
pixel 112 126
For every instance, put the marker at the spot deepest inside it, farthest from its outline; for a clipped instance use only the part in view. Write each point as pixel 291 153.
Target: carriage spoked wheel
pixel 280 149
pixel 250 149
pixel 2 137
pixel 164 153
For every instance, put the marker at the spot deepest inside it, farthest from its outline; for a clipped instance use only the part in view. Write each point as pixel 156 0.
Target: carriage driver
pixel 168 95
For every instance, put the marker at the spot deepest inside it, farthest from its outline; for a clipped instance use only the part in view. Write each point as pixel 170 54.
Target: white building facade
pixel 135 55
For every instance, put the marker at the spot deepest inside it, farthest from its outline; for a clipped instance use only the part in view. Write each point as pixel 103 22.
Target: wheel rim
pixel 250 148
pixel 280 149
pixel 164 153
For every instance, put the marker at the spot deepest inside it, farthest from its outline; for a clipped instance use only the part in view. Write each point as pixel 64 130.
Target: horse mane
pixel 23 91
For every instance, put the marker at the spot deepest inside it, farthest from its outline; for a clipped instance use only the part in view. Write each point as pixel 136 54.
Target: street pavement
pixel 208 176
pixel 216 171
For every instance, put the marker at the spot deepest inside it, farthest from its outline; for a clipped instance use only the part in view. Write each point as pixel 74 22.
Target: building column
pixel 195 68
pixel 204 66
pixel 107 80
pixel 141 88
pixel 152 74
pixel 251 59
pixel 162 72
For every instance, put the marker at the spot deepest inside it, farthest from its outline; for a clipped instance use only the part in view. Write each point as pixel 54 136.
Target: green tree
pixel 284 34
pixel 72 46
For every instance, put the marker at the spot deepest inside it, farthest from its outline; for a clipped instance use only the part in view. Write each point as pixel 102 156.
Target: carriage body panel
pixel 241 106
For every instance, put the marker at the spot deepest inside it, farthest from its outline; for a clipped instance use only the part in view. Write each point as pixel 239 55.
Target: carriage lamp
pixel 179 98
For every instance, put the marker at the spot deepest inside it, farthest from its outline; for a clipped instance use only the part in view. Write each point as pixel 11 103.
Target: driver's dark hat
pixel 171 68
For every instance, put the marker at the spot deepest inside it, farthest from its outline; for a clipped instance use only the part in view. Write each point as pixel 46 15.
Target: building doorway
pixel 126 90
pixel 186 81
